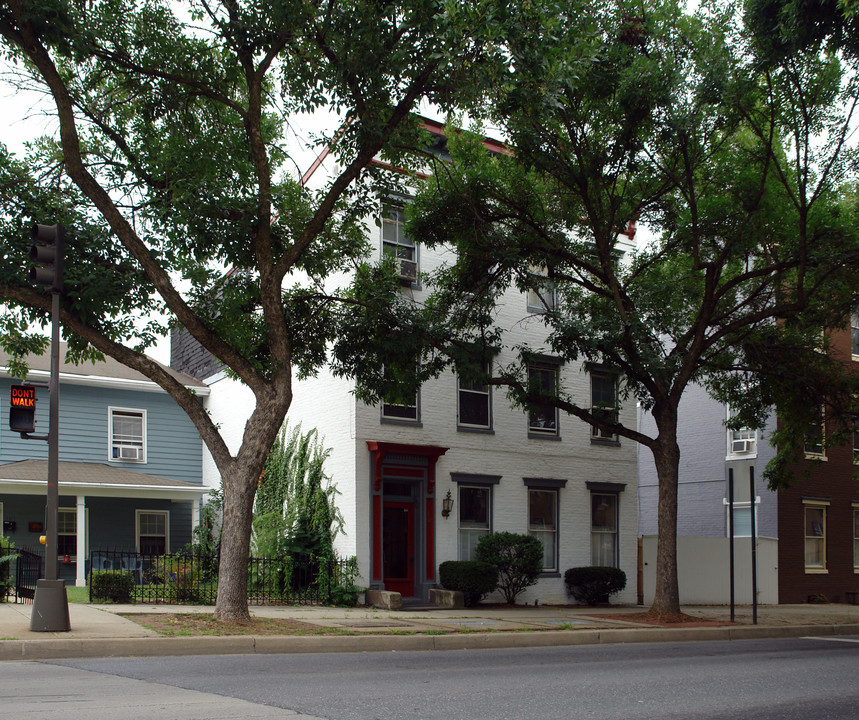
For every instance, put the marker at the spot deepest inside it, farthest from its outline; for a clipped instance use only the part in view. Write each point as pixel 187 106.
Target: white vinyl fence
pixel 703 570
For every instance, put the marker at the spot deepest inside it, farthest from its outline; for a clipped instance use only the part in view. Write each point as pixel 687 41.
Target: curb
pixel 56 649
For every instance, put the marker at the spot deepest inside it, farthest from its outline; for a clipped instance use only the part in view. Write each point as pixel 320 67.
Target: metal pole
pixel 52 514
pixel 752 497
pixel 731 534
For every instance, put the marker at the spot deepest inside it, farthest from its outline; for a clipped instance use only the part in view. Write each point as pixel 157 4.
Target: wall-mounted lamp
pixel 446 505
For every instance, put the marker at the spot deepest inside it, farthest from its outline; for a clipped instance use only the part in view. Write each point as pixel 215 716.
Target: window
pixel 397 244
pixel 67 533
pixel 742 519
pixel 854 335
pixel 474 407
pixel 127 435
pixel 815 438
pixel 856 446
pixel 543 417
pixel 152 532
pixel 815 536
pixel 397 412
pixel 543 524
pixel 604 530
pixel 474 515
pixel 541 294
pixel 603 402
pixel 742 441
pixel 855 537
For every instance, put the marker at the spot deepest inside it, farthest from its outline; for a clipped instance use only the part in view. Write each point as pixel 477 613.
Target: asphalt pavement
pixel 105 630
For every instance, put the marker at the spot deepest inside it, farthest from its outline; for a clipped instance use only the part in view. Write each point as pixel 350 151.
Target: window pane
pixel 473 408
pixel 814 522
pixel 67 522
pixel 548 541
pixel 474 507
pixel 742 522
pixel 468 539
pixel 602 390
pixel 541 510
pixel 603 549
pixel 543 418
pixel 854 332
pixel 404 412
pixel 604 512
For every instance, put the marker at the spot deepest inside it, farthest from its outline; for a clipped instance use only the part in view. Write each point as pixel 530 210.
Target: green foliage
pixel 343 591
pixel 7 555
pixel 112 585
pixel 474 579
pixel 518 559
pixel 295 510
pixel 594 584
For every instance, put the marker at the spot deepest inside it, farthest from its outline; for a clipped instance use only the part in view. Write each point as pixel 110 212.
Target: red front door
pixel 398 547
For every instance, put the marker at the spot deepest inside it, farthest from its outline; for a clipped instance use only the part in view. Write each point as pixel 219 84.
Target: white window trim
pixel 143 511
pixel 487 394
pixel 73 511
pixel 741 505
pixel 816 504
pixel 137 411
pixel 545 304
pixel 397 420
pixel 388 206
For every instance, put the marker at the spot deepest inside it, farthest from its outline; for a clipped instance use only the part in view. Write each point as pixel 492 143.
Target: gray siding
pixel 188 356
pixel 703 478
pixel 174 449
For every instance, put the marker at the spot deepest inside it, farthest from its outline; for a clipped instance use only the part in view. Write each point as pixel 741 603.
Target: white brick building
pixel 503 468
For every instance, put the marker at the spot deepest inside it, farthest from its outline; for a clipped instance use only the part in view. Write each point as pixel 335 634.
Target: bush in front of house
pixel 7 555
pixel 114 585
pixel 473 578
pixel 593 584
pixel 518 559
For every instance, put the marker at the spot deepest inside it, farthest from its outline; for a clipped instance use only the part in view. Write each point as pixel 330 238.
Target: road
pixel 762 679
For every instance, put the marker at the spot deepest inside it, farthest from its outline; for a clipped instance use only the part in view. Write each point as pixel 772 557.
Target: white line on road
pixel 831 639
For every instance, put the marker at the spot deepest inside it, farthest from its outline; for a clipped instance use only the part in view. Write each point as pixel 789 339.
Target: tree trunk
pixel 666 455
pixel 239 489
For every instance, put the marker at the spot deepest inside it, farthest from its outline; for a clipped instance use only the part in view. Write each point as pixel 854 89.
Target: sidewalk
pixel 101 631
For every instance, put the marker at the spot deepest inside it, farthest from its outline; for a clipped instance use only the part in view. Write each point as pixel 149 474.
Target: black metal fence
pixel 193 578
pixel 19 574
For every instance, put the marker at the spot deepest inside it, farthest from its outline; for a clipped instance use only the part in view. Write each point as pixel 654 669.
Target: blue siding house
pixel 130 471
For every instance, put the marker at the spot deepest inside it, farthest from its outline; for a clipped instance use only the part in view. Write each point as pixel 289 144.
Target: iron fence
pixel 20 574
pixel 190 577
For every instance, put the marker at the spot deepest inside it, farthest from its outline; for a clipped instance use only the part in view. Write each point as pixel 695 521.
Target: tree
pixel 172 165
pixel 619 112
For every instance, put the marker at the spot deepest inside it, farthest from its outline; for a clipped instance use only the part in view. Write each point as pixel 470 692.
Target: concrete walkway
pixel 101 630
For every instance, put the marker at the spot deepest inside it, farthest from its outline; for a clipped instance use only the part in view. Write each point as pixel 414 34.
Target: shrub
pixel 114 585
pixel 7 555
pixel 518 559
pixel 593 584
pixel 473 578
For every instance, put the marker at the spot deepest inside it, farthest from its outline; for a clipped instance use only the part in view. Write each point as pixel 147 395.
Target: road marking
pixel 831 639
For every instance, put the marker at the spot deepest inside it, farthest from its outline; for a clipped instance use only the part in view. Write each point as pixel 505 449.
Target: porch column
pixel 195 515
pixel 82 541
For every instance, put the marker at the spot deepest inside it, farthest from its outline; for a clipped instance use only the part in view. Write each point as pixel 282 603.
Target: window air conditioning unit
pixel 741 447
pixel 408 271
pixel 130 453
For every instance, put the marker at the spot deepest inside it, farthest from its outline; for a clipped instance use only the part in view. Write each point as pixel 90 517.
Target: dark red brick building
pixel 818 516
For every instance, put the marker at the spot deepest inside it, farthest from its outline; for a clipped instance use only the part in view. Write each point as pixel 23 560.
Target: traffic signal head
pixel 22 408
pixel 49 244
